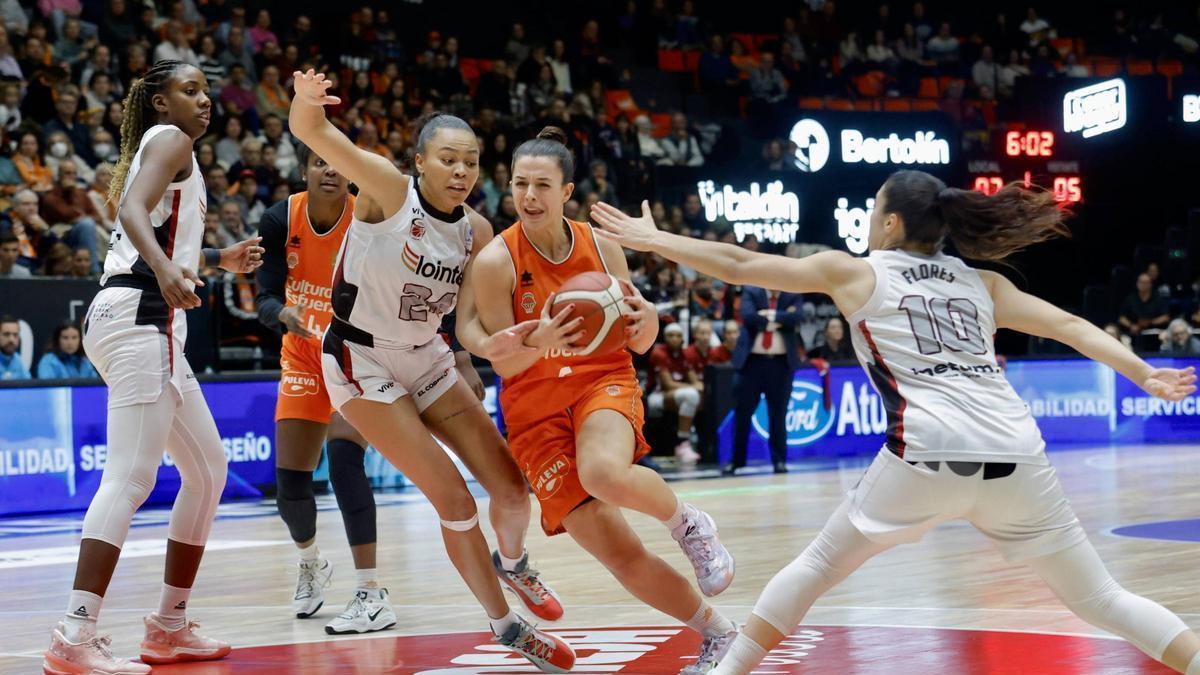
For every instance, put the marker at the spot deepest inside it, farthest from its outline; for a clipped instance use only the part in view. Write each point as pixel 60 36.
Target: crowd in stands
pixel 65 64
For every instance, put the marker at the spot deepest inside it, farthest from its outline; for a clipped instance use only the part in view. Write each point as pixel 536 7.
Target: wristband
pixel 212 257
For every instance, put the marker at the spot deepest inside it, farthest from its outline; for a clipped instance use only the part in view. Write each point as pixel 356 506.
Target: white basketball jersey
pixel 178 220
pixel 396 279
pixel 925 339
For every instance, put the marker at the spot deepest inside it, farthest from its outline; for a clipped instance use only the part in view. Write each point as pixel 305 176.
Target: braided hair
pixel 139 116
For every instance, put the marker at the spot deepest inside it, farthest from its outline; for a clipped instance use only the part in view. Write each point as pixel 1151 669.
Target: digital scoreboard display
pixel 1029 155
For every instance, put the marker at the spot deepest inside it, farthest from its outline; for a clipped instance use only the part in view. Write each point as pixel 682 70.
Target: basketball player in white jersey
pixel 393 378
pixel 960 443
pixel 135 331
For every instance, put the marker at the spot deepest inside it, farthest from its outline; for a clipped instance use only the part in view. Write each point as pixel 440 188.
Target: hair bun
pixel 945 193
pixel 553 134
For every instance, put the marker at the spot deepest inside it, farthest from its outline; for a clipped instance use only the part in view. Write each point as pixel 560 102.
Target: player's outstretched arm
pixel 1030 314
pixel 821 273
pixel 372 173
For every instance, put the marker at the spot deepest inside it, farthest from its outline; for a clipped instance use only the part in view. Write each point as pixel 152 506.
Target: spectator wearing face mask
pixel 65 120
pixel 105 147
pixel 68 203
pixel 61 150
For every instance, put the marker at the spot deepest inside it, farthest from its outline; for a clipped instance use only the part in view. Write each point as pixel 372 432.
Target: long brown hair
pixel 982 227
pixel 139 116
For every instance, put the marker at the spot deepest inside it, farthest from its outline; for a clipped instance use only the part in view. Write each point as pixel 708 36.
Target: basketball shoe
pixel 548 652
pixel 527 583
pixel 697 536
pixel 85 658
pixel 311 581
pixel 712 650
pixel 685 453
pixel 163 645
pixel 368 612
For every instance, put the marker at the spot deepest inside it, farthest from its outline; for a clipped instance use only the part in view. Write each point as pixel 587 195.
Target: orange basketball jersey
pixel 310 260
pixel 559 379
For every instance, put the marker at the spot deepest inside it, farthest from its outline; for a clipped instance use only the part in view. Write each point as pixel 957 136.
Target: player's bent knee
pixel 462 525
pixel 600 479
pixel 688 401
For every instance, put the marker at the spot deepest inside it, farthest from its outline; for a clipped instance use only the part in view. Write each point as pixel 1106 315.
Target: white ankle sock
pixel 708 622
pixel 510 564
pixel 172 606
pixel 1194 666
pixel 677 518
pixel 742 657
pixel 310 552
pixel 366 578
pixel 500 626
pixel 83 610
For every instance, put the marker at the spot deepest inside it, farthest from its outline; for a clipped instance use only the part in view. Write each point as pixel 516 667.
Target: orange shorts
pixel 545 449
pixel 302 393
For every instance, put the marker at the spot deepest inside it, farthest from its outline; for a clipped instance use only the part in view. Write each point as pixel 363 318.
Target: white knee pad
pixel 655 404
pixel 461 525
pixel 195 446
pixel 688 400
pixel 1146 624
pixel 112 508
pixel 1079 579
pixel 137 435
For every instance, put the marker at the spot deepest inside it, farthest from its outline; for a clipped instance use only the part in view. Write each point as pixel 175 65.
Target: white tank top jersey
pixel 395 279
pixel 178 221
pixel 925 338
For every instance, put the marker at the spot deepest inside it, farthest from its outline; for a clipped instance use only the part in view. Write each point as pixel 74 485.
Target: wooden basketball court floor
pixel 947 605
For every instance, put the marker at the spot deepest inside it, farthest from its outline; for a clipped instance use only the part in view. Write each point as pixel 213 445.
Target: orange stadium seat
pixel 897 105
pixel 670 60
pixel 866 104
pixel 811 103
pixel 1139 67
pixel 1063 46
pixel 1104 66
pixel 925 105
pixel 839 104
pixel 929 88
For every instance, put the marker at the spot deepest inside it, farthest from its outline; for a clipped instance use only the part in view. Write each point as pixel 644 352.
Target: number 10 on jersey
pixel 950 323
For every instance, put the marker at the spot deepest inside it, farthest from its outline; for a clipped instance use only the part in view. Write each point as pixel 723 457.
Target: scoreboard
pixel 1033 156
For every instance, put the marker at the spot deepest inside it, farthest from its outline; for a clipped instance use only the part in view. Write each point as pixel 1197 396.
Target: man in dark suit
pixel 766 356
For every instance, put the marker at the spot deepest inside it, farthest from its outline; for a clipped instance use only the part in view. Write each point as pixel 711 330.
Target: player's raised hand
pixel 312 88
pixel 1171 384
pixel 633 233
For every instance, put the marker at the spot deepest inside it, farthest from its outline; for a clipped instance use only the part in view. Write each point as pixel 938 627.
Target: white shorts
pixel 1025 514
pixel 382 374
pixel 136 343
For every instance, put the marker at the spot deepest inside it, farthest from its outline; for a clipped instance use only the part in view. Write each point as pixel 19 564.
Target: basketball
pixel 598 299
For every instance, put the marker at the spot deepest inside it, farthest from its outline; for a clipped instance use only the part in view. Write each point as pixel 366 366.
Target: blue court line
pixel 1167 530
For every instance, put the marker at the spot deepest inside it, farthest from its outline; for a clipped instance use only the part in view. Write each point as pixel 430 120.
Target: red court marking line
pixel 846 650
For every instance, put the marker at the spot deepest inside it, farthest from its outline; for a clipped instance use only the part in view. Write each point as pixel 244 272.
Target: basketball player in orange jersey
pixel 575 422
pixel 302 236
pixel 960 443
pixel 393 377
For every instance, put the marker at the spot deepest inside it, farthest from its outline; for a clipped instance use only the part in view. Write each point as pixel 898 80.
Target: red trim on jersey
pixel 172 225
pixel 348 368
pixel 900 444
